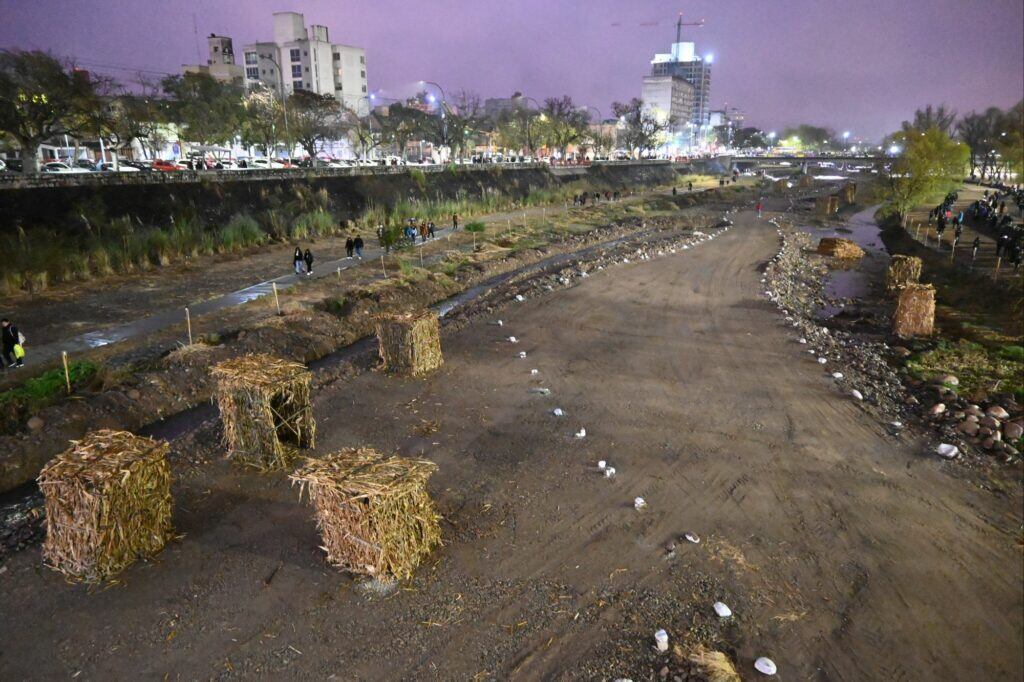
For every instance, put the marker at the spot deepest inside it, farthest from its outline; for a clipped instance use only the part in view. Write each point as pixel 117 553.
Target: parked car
pixel 3 166
pixel 122 167
pixel 165 166
pixel 14 165
pixel 60 167
pixel 84 164
pixel 265 163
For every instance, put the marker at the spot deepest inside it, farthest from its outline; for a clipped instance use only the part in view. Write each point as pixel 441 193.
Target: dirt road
pixel 844 552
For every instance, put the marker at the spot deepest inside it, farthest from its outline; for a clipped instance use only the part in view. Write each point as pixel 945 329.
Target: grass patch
pixel 46 388
pixel 997 369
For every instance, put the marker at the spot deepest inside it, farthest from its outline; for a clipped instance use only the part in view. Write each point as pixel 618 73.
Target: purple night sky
pixel 859 65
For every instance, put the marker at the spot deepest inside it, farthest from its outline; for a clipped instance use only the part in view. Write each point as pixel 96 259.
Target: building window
pixel 337 56
pixel 296 85
pixel 307 69
pixel 364 88
pixel 296 70
pixel 250 58
pixel 362 59
pixel 264 72
pixel 305 54
pixel 295 55
pixel 252 72
pixel 271 72
pixel 363 74
pixel 215 49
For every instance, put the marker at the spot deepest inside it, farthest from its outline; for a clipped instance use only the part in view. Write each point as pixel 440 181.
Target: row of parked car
pixel 240 164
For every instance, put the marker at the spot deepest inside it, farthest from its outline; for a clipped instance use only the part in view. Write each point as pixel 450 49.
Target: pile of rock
pixel 993 427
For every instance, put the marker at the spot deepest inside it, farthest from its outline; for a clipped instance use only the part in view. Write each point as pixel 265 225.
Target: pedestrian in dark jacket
pixel 308 258
pixel 350 245
pixel 358 244
pixel 297 260
pixel 10 338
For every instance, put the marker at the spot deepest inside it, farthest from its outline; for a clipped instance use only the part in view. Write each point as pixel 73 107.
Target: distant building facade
pixel 683 62
pixel 671 99
pixel 221 61
pixel 301 58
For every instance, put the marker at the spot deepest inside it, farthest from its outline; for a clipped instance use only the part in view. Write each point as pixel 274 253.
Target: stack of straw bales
pixel 915 311
pixel 410 343
pixel 374 513
pixel 839 248
pixel 265 407
pixel 903 270
pixel 827 205
pixel 108 503
pixel 848 193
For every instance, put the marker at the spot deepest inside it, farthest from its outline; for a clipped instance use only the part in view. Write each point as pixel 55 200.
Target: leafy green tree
pixel 811 136
pixel 403 123
pixel 641 130
pixel 42 98
pixel 208 111
pixel 314 118
pixel 749 138
pixel 928 163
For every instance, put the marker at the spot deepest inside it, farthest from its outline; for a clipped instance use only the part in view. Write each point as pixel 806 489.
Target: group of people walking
pixel 581 198
pixel 989 212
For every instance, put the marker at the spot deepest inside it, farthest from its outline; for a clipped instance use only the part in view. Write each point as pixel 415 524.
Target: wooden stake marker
pixel 67 370
pixel 277 301
pixel 188 323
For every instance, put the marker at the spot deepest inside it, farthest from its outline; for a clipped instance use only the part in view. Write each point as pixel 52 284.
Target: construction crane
pixel 679 26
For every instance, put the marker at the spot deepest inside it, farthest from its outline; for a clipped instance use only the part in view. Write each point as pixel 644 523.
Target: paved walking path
pixel 81 343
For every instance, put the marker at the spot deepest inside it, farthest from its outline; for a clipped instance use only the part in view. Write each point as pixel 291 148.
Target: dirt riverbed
pixel 845 552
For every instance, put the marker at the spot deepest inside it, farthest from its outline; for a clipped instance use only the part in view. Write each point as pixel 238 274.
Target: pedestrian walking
pixel 297 261
pixel 455 222
pixel 13 344
pixel 307 258
pixel 760 207
pixel 689 186
pixel 674 192
pixel 350 245
pixel 423 233
pixel 431 230
pixel 358 244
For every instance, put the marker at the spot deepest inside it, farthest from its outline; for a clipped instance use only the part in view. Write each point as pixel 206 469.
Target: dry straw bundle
pixel 848 193
pixel 410 343
pixel 374 513
pixel 265 407
pixel 903 270
pixel 839 248
pixel 915 311
pixel 108 502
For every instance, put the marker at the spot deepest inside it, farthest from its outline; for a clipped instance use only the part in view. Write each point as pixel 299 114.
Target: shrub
pixel 475 226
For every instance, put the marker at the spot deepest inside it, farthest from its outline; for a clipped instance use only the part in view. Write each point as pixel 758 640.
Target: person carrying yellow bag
pixel 13 344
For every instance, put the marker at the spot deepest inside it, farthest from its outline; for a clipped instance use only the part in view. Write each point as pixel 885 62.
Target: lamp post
pixel 529 137
pixel 444 106
pixel 284 102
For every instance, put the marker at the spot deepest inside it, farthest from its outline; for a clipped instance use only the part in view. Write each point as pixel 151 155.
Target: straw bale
pixel 108 503
pixel 848 194
pixel 374 513
pixel 805 181
pixel 410 343
pixel 265 408
pixel 715 665
pixel 839 248
pixel 903 270
pixel 915 311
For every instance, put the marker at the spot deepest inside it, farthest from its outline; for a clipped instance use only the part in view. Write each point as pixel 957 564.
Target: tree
pixel 931 117
pixel 41 98
pixel 810 136
pixel 402 124
pixel 976 131
pixel 366 132
pixel 929 162
pixel 263 120
pixel 565 124
pixel 749 138
pixel 208 110
pixel 314 119
pixel 463 119
pixel 641 130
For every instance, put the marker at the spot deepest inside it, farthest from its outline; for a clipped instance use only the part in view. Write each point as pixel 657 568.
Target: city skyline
pixel 767 62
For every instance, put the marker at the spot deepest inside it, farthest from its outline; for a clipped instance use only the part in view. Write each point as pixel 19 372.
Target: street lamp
pixel 284 102
pixel 444 105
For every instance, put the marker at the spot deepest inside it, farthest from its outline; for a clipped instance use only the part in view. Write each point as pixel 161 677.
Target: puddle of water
pixel 853 281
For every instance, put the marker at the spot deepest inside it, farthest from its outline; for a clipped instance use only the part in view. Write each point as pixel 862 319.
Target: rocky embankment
pixel 872 372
